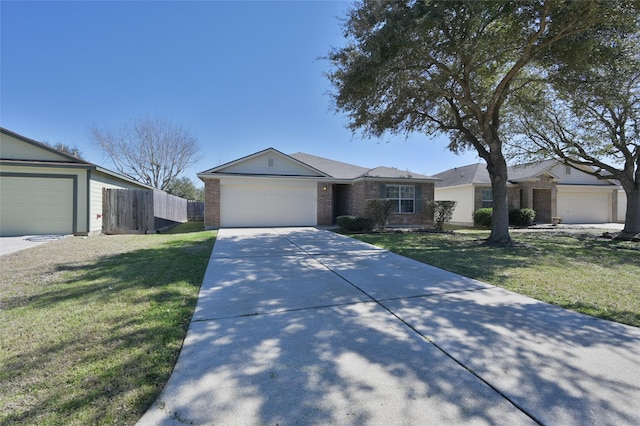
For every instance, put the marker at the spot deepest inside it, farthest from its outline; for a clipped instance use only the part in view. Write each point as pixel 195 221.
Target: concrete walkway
pixel 306 327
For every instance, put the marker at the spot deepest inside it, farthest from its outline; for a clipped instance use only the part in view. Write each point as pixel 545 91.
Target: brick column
pixel 212 204
pixel 325 204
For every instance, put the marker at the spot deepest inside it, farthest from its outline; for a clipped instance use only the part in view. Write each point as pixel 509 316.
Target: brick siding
pixel 212 203
pixel 325 203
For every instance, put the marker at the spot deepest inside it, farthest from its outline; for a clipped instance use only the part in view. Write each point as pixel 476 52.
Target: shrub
pixel 482 218
pixel 521 217
pixel 379 210
pixel 441 212
pixel 354 223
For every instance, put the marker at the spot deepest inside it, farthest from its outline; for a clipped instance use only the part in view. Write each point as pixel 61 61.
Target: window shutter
pixel 383 190
pixel 419 207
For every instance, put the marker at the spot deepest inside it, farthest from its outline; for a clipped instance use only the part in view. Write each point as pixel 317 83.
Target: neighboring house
pixel 46 191
pixel 270 188
pixel 548 187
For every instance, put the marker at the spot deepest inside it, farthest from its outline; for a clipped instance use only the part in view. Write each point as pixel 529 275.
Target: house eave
pixel 221 167
pixel 204 176
pixel 394 179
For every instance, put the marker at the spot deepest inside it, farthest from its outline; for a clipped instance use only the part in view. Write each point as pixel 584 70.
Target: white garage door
pixel 584 207
pixel 36 205
pixel 267 202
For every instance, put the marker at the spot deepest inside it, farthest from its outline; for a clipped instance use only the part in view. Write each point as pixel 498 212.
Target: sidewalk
pixel 301 326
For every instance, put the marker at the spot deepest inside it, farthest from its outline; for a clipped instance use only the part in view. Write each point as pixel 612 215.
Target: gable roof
pixel 529 171
pixel 53 155
pixel 235 167
pixel 318 167
pixel 56 158
pixel 477 174
pixel 465 175
pixel 335 169
pixel 340 170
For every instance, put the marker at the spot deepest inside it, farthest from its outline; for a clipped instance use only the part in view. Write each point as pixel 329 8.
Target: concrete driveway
pixel 10 245
pixel 302 326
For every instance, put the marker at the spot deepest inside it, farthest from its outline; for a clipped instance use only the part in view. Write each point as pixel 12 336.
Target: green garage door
pixel 36 205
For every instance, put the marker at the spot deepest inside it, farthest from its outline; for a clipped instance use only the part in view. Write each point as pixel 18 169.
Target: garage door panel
pixel 246 203
pixel 583 207
pixel 33 205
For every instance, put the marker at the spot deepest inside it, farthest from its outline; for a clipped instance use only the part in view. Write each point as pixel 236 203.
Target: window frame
pixel 487 203
pixel 401 196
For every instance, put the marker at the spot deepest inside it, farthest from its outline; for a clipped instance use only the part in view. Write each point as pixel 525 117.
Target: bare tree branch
pixel 152 150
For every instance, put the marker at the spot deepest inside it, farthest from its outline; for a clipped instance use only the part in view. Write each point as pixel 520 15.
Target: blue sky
pixel 242 76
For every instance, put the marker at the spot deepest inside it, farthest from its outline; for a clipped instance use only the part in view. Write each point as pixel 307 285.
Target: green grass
pixel 580 272
pixel 92 327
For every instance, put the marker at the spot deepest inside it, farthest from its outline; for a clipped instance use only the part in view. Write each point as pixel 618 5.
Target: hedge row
pixel 355 223
pixel 517 217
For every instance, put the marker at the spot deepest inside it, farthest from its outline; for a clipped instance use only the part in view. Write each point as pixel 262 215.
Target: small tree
pixel 441 211
pixel 185 188
pixel 379 210
pixel 67 149
pixel 71 150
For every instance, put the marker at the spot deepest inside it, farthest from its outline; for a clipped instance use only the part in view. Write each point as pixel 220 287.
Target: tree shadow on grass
pixel 103 340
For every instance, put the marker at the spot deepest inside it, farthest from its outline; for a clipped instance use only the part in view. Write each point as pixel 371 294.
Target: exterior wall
pixel 622 206
pixel 212 203
pixel 464 195
pixel 269 163
pixel 424 192
pixel 571 176
pixel 15 149
pixel 325 203
pixel 80 196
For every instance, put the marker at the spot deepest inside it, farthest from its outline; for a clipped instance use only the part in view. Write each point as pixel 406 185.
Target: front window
pixel 405 195
pixel 487 198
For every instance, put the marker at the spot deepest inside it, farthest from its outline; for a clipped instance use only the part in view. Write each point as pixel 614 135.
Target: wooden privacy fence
pixel 140 211
pixel 195 210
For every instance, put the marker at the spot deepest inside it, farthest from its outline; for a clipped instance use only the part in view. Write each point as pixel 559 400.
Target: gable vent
pixel 271 162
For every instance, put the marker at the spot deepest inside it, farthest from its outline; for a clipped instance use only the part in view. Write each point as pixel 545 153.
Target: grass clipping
pixel 92 327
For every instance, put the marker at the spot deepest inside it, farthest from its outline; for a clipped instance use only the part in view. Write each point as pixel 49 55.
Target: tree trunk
pixel 632 216
pixel 497 167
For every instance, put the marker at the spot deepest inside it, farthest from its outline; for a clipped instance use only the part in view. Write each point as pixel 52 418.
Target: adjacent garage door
pixel 36 205
pixel 267 202
pixel 584 207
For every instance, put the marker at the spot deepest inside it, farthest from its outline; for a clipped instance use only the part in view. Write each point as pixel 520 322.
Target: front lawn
pixel 577 271
pixel 92 327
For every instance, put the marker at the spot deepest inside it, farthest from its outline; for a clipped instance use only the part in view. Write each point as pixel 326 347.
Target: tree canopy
pixel 590 119
pixel 185 188
pixel 153 150
pixel 457 66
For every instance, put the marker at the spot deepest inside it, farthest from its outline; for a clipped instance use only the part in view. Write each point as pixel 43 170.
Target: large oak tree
pixel 454 67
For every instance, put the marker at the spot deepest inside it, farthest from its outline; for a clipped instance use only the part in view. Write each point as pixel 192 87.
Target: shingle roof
pixel 472 173
pixel 336 169
pixel 388 172
pixel 528 171
pixel 478 173
pixel 340 170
